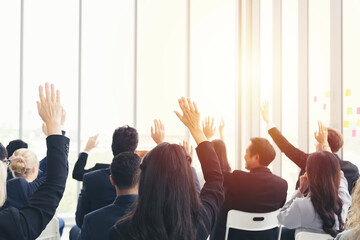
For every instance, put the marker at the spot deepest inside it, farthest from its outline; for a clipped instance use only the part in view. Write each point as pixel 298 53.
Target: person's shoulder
pixel 19 181
pixel 98 213
pixel 96 174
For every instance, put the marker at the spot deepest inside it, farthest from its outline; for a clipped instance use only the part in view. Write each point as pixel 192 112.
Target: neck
pixel 129 191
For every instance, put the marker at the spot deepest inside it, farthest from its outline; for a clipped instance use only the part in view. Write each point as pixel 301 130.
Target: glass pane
pixel 161 67
pixel 9 70
pixel 213 65
pixel 107 73
pixel 319 66
pixel 289 92
pixel 51 55
pixel 351 76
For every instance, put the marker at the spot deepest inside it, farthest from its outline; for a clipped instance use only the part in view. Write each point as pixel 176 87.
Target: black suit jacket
pixel 97 192
pixel 31 220
pixel 351 172
pixel 98 223
pixel 79 168
pixel 257 191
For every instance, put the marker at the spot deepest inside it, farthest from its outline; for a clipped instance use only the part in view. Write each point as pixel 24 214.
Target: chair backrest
pixel 51 232
pixel 252 221
pixel 312 236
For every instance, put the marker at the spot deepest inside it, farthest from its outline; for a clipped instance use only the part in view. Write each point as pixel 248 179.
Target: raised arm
pixel 212 194
pixel 159 134
pixel 79 167
pixel 221 130
pixel 31 220
pixel 208 128
pixel 294 154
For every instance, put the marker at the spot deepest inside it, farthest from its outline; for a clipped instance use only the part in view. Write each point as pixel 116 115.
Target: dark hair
pixel 265 150
pixel 15 145
pixel 335 140
pixel 220 150
pixel 3 152
pixel 168 205
pixel 125 139
pixel 125 170
pixel 323 170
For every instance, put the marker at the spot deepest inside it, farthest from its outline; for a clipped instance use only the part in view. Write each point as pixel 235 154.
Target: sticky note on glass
pixel 358 110
pixel 324 106
pixel 358 123
pixel 327 94
pixel 354 133
pixel 346 124
pixel 348 92
pixel 349 111
pixel 315 98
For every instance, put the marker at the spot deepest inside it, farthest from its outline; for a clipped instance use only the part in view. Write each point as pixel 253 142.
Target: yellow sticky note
pixel 349 111
pixel 327 94
pixel 348 92
pixel 358 123
pixel 346 124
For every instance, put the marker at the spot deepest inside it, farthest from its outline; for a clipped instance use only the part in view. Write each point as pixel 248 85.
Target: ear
pixel 33 170
pixel 112 180
pixel 257 158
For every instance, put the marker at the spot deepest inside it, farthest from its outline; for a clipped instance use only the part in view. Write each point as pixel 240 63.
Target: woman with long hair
pixel 168 205
pixel 324 208
pixel 353 218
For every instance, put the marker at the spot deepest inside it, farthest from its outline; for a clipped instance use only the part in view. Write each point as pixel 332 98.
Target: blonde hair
pixel 22 162
pixel 353 217
pixel 3 176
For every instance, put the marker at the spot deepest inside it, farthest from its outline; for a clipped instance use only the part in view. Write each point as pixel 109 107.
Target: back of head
pixel 265 150
pixel 125 170
pixel 22 162
pixel 168 204
pixel 220 150
pixel 15 145
pixel 335 140
pixel 3 152
pixel 323 170
pixel 125 139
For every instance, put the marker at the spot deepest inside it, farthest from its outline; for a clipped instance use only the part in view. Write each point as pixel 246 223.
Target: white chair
pixel 252 221
pixel 312 236
pixel 51 232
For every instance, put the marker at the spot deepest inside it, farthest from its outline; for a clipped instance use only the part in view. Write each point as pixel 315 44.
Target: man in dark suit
pixel 97 190
pixel 257 191
pixel 334 139
pixel 125 172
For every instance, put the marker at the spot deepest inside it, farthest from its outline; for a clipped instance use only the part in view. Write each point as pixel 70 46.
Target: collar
pixel 125 199
pixel 260 169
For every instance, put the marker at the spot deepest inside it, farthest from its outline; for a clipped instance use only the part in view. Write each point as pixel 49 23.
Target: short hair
pixel 125 170
pixel 335 140
pixel 15 145
pixel 265 150
pixel 125 139
pixel 3 152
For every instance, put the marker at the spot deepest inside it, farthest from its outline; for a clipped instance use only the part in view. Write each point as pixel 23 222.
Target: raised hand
pixel 208 129
pixel 191 119
pixel 304 183
pixel 63 117
pixel 91 143
pixel 189 149
pixel 50 109
pixel 321 136
pixel 265 112
pixel 159 134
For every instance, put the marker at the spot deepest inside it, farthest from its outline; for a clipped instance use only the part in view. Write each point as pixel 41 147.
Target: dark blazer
pixel 257 191
pixel 351 172
pixel 98 223
pixel 19 191
pixel 31 220
pixel 79 168
pixel 97 192
pixel 211 195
